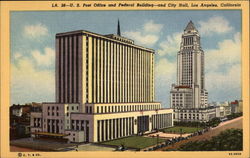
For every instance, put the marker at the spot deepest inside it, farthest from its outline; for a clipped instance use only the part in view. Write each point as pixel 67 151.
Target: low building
pixel 19 110
pixel 113 121
pixel 240 103
pixel 194 115
pixel 20 119
pixel 236 106
pixel 223 109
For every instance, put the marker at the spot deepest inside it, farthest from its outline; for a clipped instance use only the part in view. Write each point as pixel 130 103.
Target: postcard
pixel 124 79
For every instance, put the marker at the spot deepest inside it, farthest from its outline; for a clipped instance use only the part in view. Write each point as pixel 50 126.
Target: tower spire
pixel 118 28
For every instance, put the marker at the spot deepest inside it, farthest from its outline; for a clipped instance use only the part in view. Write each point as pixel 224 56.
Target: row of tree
pixel 212 123
pixel 234 115
pixel 228 140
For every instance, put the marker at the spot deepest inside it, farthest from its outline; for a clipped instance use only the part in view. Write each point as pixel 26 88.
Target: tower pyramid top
pixel 190 26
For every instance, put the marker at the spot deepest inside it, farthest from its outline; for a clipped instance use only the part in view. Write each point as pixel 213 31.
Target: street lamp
pixel 181 132
pixel 157 139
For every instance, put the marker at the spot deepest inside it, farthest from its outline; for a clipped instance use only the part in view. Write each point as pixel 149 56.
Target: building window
pixel 72 107
pixel 82 125
pixel 67 108
pixel 53 107
pixel 72 124
pixel 87 109
pixel 77 124
pixel 48 107
pixel 76 107
pixel 57 108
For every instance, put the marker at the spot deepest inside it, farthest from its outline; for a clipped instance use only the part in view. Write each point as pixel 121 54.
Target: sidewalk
pixel 40 144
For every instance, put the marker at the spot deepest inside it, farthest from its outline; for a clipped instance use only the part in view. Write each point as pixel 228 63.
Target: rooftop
pixel 190 26
pixel 183 86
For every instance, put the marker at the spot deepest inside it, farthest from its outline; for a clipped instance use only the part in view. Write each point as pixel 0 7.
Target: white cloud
pixel 165 75
pixel 150 26
pixel 165 68
pixel 171 45
pixel 228 52
pixel 148 36
pixel 215 24
pixel 223 70
pixel 17 55
pixel 145 39
pixel 44 59
pixel 29 84
pixel 35 31
pixel 223 86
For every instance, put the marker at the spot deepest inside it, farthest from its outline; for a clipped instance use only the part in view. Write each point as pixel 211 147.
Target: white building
pixel 104 90
pixel 188 97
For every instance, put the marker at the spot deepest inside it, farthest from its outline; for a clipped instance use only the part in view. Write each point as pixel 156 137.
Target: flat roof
pixel 102 36
pixel 127 103
pixel 121 112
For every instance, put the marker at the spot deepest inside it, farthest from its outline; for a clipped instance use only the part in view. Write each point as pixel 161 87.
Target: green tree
pixel 229 140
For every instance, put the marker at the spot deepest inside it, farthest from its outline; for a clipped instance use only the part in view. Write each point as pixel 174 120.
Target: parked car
pixel 121 148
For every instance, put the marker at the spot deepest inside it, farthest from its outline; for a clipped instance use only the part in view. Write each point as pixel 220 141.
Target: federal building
pixel 104 90
pixel 188 97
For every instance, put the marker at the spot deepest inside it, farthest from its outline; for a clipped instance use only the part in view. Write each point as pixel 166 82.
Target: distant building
pixel 19 110
pixel 224 109
pixel 188 97
pixel 236 106
pixel 20 120
pixel 240 104
pixel 104 90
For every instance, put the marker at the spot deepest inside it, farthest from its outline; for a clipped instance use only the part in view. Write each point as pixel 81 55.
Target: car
pixel 121 148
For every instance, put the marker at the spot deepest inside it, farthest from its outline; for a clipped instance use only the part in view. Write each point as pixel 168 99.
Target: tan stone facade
pixel 92 68
pixel 104 89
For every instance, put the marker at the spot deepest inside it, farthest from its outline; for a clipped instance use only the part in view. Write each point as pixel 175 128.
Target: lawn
pixel 138 142
pixel 177 129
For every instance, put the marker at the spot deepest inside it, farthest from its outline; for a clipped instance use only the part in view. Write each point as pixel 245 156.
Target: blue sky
pixel 33 47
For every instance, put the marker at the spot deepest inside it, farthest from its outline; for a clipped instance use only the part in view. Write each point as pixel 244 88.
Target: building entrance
pixel 143 123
